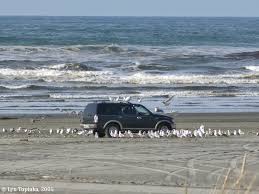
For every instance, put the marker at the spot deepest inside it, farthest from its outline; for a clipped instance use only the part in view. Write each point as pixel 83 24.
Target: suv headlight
pixel 95 118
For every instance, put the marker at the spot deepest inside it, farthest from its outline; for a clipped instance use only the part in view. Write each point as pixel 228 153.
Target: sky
pixel 221 8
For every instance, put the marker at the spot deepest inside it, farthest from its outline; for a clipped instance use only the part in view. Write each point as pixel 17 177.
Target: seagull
pixel 111 98
pixel 4 130
pixel 50 131
pixel 68 130
pixel 168 101
pixel 18 130
pixel 195 133
pixel 240 132
pixel 140 134
pixel 12 130
pixel 158 110
pixel 117 99
pixel 220 132
pixel 58 131
pixel 61 131
pixel 81 132
pixel 257 134
pixel 162 133
pixel 228 133
pixel 130 134
pixel 215 133
pixel 235 132
pixel 25 130
pixel 120 134
pixel 140 100
pixel 96 136
pixel 90 132
pixel 127 98
pixel 202 129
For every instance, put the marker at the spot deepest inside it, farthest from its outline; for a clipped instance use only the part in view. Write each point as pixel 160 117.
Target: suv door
pixel 145 119
pixel 129 117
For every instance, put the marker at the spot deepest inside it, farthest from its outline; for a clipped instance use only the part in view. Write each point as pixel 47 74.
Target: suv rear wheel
pixel 111 129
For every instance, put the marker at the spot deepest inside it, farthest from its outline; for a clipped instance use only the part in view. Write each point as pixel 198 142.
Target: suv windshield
pixel 141 110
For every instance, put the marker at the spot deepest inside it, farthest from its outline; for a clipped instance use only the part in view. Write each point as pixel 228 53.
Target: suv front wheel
pixel 112 129
pixel 164 127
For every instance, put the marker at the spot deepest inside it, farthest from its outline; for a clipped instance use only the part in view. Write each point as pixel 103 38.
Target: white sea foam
pixel 252 68
pixel 14 87
pixel 106 77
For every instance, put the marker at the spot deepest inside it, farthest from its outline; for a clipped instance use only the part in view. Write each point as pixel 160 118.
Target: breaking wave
pixel 252 68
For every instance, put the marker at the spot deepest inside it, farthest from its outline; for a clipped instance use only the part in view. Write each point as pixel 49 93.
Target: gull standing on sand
pixel 4 130
pixel 68 130
pixel 240 132
pixel 120 134
pixel 12 130
pixel 96 136
pixel 50 131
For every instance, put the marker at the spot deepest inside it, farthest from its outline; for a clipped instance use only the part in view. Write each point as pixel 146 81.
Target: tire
pixel 164 127
pixel 109 129
pixel 100 134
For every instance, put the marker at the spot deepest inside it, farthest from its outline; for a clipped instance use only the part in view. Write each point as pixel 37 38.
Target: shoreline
pixel 245 120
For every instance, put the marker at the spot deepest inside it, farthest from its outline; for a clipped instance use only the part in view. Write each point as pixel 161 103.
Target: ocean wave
pixel 252 68
pixel 141 50
pixel 51 75
pixel 244 55
pixel 110 77
pixel 72 67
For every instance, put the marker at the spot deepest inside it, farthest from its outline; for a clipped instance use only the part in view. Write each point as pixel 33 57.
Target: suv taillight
pixel 95 118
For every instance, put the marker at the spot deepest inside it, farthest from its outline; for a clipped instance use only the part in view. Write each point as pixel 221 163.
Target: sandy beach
pixel 74 164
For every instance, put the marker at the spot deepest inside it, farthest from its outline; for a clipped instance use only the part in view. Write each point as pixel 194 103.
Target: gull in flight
pixel 127 98
pixel 140 99
pixel 168 101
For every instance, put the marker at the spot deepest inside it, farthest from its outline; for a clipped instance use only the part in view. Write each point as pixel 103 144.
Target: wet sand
pixel 73 164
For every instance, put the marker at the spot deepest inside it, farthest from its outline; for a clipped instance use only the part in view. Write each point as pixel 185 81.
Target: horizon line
pixel 126 16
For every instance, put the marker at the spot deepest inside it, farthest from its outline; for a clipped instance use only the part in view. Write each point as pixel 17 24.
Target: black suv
pixel 106 117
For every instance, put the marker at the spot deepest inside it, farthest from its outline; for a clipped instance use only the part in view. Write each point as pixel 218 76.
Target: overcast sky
pixel 131 7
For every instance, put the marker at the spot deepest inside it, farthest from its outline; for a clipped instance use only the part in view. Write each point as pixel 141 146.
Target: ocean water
pixel 52 63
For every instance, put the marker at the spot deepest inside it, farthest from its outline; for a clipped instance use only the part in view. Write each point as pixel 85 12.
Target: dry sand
pixel 72 164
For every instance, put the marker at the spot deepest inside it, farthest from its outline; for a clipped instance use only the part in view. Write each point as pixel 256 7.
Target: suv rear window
pixel 109 109
pixel 90 109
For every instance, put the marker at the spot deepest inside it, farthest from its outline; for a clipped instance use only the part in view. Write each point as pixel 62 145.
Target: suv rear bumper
pixel 88 126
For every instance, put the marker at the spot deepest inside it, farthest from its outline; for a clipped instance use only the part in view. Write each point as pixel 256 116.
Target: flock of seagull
pixel 182 133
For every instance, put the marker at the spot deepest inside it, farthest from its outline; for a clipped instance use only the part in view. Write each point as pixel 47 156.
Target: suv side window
pixel 129 110
pixel 109 109
pixel 142 110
